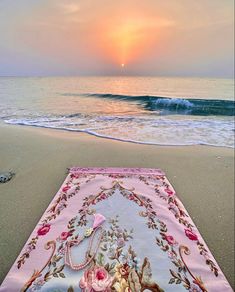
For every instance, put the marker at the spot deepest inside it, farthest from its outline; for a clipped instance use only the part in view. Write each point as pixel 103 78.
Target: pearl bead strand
pixel 89 256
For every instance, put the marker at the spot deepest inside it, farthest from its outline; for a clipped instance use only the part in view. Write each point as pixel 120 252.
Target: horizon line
pixel 115 75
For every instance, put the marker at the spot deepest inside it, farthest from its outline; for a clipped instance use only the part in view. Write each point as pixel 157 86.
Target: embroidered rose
pixel 65 189
pixel 169 192
pixel 96 279
pixel 170 239
pixel 190 234
pixel 64 235
pixel 44 229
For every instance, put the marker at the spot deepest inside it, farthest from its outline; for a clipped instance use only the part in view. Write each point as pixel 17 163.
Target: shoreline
pixel 201 175
pixel 96 135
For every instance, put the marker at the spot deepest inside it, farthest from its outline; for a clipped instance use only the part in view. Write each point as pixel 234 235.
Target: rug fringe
pixel 125 170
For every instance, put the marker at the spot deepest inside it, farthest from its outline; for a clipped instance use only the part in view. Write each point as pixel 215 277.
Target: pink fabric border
pixel 111 170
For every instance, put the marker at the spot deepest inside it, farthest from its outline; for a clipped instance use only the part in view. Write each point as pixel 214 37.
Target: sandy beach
pixel 202 177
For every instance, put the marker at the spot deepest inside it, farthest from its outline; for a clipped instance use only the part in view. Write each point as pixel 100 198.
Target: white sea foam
pixel 144 130
pixel 168 102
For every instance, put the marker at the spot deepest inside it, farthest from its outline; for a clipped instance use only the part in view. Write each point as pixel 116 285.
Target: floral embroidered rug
pixel 115 229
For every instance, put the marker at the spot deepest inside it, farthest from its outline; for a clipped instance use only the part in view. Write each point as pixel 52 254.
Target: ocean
pixel 148 110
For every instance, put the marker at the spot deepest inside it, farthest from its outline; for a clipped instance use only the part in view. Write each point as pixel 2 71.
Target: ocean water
pixel 150 110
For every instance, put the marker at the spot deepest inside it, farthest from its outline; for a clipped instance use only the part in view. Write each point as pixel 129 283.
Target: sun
pixel 123 65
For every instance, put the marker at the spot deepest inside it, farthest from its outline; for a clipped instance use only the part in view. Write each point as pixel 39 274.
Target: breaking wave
pixel 165 105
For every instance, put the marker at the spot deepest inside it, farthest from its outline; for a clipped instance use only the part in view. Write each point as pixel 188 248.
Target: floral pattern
pixel 129 194
pixel 55 210
pixel 175 207
pixel 96 279
pixel 44 229
pixel 183 274
pixel 123 270
pixel 191 235
pixel 119 263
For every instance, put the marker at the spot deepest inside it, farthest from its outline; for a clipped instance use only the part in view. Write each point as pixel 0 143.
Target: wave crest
pixel 166 105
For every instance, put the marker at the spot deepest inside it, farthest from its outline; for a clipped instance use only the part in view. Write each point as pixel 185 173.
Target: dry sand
pixel 202 177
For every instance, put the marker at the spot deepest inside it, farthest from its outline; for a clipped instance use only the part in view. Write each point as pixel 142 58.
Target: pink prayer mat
pixel 115 229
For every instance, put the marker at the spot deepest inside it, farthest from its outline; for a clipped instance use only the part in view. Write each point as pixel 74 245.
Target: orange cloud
pixel 99 36
pixel 126 39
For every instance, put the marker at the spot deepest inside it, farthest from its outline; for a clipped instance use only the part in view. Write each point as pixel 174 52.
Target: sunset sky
pixel 106 37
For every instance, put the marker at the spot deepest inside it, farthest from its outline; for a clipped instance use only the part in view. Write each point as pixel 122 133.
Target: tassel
pixel 98 220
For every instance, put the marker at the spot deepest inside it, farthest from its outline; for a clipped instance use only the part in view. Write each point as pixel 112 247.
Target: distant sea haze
pixel 149 110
